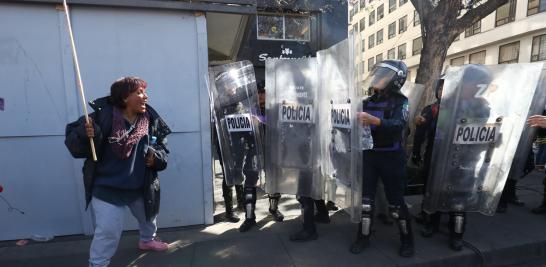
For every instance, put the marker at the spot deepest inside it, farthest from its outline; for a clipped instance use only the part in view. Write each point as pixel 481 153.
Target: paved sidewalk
pixel 517 238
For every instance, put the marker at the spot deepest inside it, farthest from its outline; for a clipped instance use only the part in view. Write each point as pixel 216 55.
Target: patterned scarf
pixel 122 139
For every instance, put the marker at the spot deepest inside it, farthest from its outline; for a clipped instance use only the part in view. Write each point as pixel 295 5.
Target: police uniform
pixel 387 159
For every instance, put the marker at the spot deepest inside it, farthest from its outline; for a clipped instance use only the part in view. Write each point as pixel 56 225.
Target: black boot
pixel 362 241
pixel 309 232
pixel 228 202
pixel 322 215
pixel 432 224
pixel 240 193
pixel 457 224
pixel 512 198
pixel 250 205
pixel 274 207
pixel 406 238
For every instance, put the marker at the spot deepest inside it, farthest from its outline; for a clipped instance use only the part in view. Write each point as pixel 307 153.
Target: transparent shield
pixel 339 129
pixel 293 154
pixel 234 103
pixel 482 116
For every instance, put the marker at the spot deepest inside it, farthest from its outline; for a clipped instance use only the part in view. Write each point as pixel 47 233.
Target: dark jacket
pixel 77 143
pixel 393 112
pixel 426 131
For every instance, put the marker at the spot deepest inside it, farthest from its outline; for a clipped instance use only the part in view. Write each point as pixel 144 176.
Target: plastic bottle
pixel 366 140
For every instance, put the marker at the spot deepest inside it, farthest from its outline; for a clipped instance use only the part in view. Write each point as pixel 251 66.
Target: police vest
pixel 383 141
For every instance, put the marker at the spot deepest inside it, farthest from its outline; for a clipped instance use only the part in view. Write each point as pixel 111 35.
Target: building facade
pixel 390 29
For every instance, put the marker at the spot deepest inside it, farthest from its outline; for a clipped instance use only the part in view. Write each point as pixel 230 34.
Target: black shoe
pixel 385 219
pixel 322 218
pixel 361 243
pixel 331 206
pixel 456 243
pixel 231 217
pixel 277 215
pixel 406 249
pixel 429 231
pixel 540 209
pixel 247 225
pixel 304 235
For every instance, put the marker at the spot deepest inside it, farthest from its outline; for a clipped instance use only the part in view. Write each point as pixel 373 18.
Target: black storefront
pixel 292 29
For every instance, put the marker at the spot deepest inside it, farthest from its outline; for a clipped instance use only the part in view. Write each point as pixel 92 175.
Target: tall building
pixel 390 29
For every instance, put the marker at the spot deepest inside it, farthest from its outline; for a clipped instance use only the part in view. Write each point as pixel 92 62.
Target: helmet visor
pixel 381 77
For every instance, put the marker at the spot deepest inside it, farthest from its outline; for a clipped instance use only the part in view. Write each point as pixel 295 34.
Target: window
pixel 380 12
pixel 392 30
pixel 402 2
pixel 351 14
pixel 458 61
pixel 402 52
pixel 417 46
pixel 355 28
pixel 391 54
pixel 477 58
pixel 416 18
pixel 362 4
pixel 371 41
pixel 363 45
pixel 379 58
pixel 379 37
pixel 505 13
pixel 371 63
pixel 474 29
pixel 362 69
pixel 362 24
pixel 538 51
pixel 284 27
pixel 402 24
pixel 509 53
pixel 536 6
pixel 371 19
pixel 392 5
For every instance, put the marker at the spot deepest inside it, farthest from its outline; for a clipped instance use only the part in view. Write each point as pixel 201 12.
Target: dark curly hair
pixel 123 87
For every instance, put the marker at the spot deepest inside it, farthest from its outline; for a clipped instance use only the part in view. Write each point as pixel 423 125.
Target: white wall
pixel 166 48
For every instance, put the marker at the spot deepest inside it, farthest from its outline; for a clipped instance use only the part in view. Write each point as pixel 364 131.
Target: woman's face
pixel 137 101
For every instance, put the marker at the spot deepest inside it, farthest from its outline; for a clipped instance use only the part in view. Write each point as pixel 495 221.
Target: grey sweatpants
pixel 109 225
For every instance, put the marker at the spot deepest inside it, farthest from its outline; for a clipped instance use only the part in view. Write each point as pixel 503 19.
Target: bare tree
pixel 441 22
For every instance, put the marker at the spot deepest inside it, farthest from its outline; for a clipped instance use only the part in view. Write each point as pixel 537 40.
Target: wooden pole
pixel 78 76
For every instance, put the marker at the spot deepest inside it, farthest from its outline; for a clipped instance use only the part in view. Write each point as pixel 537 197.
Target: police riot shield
pixel 523 161
pixel 413 92
pixel 234 104
pixel 293 154
pixel 482 116
pixel 415 174
pixel 340 152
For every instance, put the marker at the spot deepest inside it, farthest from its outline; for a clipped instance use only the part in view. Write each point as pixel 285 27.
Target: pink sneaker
pixel 153 245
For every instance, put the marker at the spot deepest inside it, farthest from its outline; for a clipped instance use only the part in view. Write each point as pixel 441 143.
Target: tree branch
pixel 477 13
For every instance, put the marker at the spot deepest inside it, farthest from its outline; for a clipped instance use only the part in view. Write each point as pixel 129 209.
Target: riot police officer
pixel 386 112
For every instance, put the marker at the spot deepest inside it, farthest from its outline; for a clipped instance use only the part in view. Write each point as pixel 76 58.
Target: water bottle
pixel 366 140
pixel 153 140
pixel 41 237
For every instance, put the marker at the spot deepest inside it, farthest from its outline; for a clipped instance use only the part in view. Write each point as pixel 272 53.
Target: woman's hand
pixel 150 158
pixel 537 121
pixel 89 130
pixel 368 119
